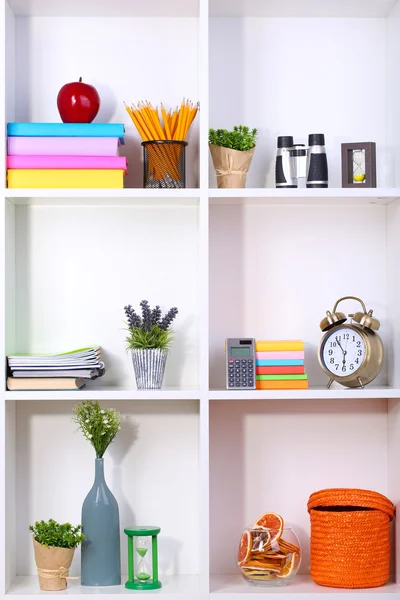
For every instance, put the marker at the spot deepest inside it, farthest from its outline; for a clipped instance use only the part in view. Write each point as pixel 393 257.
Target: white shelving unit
pixel 200 460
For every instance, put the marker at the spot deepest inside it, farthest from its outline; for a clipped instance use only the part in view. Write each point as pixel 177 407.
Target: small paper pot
pixel 53 566
pixel 164 164
pixel 149 367
pixel 231 166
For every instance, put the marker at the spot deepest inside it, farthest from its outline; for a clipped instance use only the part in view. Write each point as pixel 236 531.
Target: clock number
pixel 344 369
pixel 357 361
pixel 346 336
pixel 359 352
pixel 333 344
pixel 330 352
pixel 337 366
pixel 358 344
pixel 331 360
pixel 354 338
pixel 351 367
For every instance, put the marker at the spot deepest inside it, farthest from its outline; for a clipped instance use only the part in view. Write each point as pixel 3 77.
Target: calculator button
pixel 237 362
pixel 231 384
pixel 244 384
pixel 230 361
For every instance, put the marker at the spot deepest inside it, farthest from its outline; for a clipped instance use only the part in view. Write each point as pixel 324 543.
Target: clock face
pixel 343 352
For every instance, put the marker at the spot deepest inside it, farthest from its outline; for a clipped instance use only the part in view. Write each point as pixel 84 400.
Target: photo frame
pixel 359 165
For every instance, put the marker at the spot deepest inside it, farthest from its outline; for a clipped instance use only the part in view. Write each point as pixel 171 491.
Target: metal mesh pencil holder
pixel 164 164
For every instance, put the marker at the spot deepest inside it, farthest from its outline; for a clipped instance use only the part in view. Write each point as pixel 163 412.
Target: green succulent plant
pixel 60 535
pixel 241 138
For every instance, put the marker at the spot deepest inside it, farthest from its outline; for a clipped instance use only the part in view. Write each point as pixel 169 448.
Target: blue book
pixel 112 130
pixel 280 362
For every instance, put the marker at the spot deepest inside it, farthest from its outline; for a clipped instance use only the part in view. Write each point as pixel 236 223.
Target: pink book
pixel 63 146
pixel 66 162
pixel 289 355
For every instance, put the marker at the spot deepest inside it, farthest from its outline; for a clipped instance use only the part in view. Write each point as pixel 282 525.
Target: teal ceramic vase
pixel 100 554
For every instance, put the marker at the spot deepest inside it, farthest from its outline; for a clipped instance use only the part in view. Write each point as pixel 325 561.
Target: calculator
pixel 240 363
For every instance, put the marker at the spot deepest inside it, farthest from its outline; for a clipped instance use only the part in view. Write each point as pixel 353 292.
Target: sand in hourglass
pixel 142 574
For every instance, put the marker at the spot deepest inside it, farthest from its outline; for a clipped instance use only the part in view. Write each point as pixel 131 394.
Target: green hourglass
pixel 145 575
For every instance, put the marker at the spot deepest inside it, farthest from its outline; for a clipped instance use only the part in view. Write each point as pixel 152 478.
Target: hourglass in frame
pixel 359 165
pixel 142 558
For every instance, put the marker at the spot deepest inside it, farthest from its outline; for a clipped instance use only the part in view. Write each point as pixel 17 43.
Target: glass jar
pixel 269 556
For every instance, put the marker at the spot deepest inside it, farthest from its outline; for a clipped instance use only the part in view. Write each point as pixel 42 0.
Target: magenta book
pixel 63 146
pixel 66 162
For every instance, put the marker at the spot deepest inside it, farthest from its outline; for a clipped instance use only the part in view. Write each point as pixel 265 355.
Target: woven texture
pixel 350 548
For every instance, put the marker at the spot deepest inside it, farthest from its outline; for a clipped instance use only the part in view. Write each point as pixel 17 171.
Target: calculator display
pixel 240 351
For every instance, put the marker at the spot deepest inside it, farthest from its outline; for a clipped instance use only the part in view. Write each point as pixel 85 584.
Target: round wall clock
pixel 351 354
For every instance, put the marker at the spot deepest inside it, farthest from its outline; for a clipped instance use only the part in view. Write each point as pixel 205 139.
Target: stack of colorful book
pixel 68 371
pixel 280 365
pixel 65 155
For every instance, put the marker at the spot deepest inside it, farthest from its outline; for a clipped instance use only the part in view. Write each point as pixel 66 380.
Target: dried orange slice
pixel 261 576
pixel 287 547
pixel 257 565
pixel 245 546
pixel 289 567
pixel 271 521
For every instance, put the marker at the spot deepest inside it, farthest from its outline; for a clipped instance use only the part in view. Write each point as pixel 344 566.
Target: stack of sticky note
pixel 280 365
pixel 65 155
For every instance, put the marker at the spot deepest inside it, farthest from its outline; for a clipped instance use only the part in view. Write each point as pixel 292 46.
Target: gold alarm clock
pixel 351 354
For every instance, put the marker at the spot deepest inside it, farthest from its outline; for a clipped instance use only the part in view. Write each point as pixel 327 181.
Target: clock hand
pixel 344 352
pixel 339 344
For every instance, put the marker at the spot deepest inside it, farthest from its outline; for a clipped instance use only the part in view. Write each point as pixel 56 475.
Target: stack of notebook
pixel 65 155
pixel 68 371
pixel 280 365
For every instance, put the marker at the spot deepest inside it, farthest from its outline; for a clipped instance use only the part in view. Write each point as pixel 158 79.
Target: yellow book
pixel 278 345
pixel 45 383
pixel 65 178
pixel 291 384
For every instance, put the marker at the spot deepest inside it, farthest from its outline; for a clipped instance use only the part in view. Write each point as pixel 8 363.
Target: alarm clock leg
pixel 360 382
pixel 328 385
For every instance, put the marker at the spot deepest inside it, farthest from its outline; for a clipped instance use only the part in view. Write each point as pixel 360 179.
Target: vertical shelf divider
pixel 203 301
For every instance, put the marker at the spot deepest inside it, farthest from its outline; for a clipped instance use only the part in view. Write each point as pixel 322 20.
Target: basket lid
pixel 351 497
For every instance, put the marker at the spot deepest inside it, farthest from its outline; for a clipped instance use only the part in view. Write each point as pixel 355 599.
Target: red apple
pixel 78 102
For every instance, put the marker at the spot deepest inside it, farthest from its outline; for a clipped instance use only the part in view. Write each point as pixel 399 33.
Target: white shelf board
pixel 101 197
pixel 301 586
pixel 107 393
pixel 177 586
pixel 105 8
pixel 313 393
pixel 320 197
pixel 305 8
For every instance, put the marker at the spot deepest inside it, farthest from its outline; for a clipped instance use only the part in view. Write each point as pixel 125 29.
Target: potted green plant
pixel 54 545
pixel 149 338
pixel 232 153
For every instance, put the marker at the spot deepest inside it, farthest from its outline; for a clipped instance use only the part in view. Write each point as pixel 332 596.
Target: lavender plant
pixel 152 329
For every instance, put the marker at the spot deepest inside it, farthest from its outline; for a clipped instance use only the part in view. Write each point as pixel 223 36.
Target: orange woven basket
pixel 350 538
